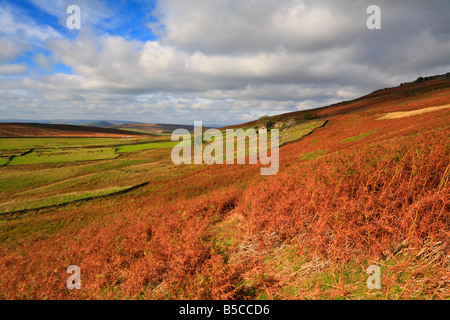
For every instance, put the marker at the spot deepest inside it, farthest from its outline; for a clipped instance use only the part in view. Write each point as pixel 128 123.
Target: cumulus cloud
pixel 230 61
pixel 10 49
pixel 215 26
pixel 10 69
pixel 19 33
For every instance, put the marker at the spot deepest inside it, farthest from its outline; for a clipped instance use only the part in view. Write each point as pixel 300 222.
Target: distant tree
pixel 309 116
pixel 265 122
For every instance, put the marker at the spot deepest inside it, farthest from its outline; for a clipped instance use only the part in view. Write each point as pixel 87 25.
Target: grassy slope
pixel 58 155
pixel 30 189
pixel 30 143
pixel 353 193
pixel 75 168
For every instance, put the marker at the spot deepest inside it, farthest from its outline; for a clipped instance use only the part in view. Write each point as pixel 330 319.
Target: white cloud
pixel 12 69
pixel 216 26
pixel 10 49
pixel 21 28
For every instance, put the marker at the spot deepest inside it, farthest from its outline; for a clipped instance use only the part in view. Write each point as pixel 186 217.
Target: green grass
pixel 30 143
pixel 312 155
pixel 112 164
pixel 298 131
pixel 356 138
pixel 15 180
pixel 147 146
pixel 64 155
pixel 290 134
pixel 4 160
pixel 77 183
pixel 150 132
pixel 25 189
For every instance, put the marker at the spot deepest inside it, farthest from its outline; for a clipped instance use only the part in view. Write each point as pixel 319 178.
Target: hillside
pixel 418 88
pixel 100 124
pixel 14 130
pixel 371 187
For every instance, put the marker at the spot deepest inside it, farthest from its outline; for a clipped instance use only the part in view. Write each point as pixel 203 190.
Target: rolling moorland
pixel 361 182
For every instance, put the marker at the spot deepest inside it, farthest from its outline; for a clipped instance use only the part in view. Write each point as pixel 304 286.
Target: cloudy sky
pixel 218 61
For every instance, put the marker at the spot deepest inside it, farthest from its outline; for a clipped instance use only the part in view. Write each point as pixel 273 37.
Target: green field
pixel 147 146
pixel 64 155
pixel 30 143
pixel 298 131
pixel 39 172
pixel 27 151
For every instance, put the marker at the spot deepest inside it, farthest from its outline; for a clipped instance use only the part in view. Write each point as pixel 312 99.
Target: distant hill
pixel 66 121
pixel 98 124
pixel 22 128
pixel 10 130
pixel 153 128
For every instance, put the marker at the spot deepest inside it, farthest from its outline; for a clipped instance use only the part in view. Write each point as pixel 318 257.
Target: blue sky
pixel 218 61
pixel 110 21
pixel 124 18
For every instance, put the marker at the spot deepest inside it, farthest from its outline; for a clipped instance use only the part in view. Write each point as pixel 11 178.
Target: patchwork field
pixel 40 172
pixel 353 189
